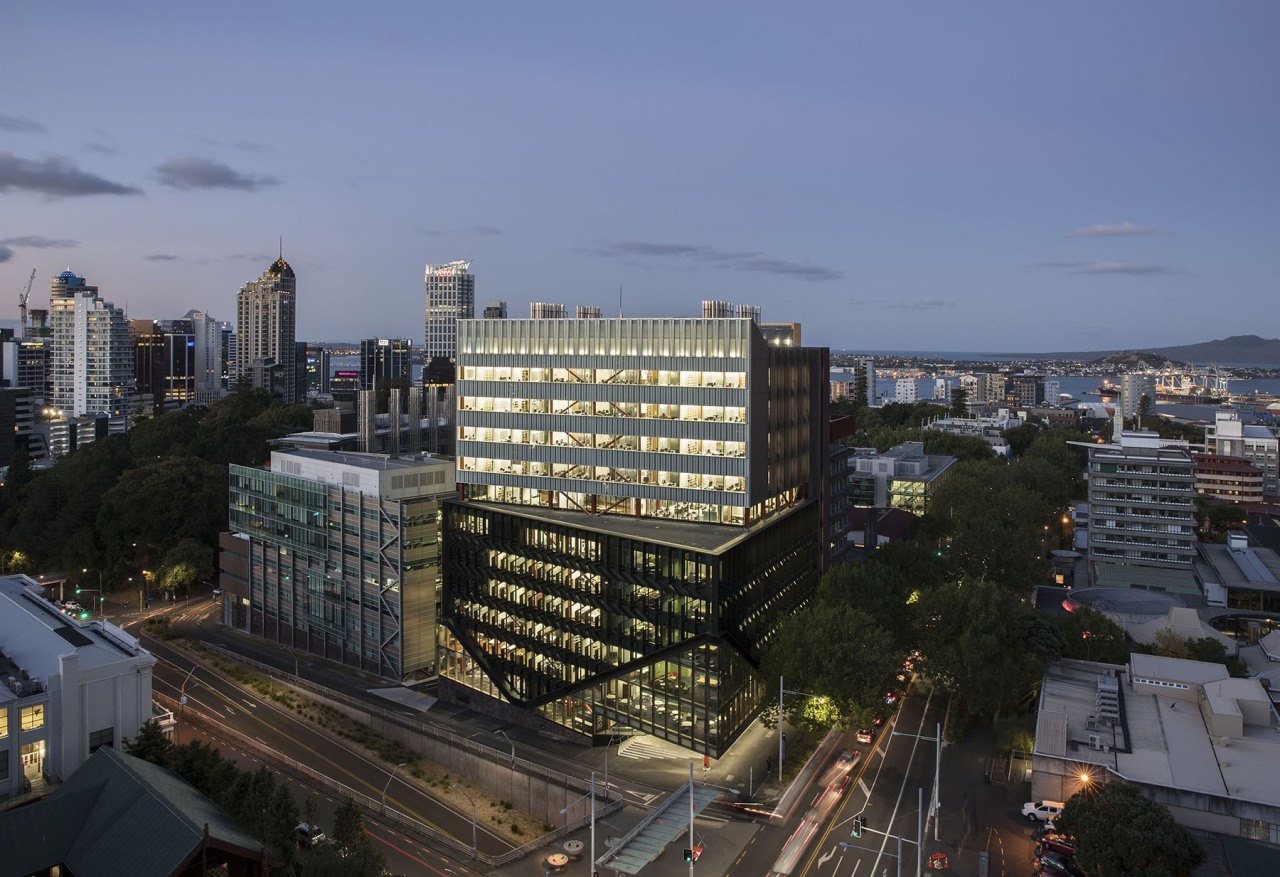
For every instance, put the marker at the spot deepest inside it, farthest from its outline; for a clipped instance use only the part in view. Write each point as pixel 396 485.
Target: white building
pixel 904 391
pixel 1184 732
pixel 91 358
pixel 1133 387
pixel 67 687
pixel 210 364
pixel 451 296
pixel 1229 437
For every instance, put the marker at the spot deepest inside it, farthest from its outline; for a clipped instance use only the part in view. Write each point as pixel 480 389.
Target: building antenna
pixel 620 314
pixel 281 248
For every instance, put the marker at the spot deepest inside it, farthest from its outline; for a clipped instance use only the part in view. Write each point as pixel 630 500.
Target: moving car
pixel 865 735
pixel 848 759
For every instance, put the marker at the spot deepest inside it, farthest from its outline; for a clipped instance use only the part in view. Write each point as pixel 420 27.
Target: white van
pixel 1042 810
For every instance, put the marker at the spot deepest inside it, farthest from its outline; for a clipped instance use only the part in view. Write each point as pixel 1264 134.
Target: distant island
pixel 1238 350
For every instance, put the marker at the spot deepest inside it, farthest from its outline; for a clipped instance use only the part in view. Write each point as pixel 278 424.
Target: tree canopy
pixel 1118 831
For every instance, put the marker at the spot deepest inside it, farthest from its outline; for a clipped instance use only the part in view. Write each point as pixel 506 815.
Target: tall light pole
pixel 692 854
pixel 182 699
pixel 782 737
pixel 513 746
pixel 388 785
pixel 473 818
pixel 592 870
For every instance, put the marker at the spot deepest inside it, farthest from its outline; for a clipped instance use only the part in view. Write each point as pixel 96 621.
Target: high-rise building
pixel 1228 436
pixel 229 345
pixel 337 555
pixel 641 504
pixel 318 369
pixel 1133 387
pixel 1141 505
pixel 164 362
pixel 451 296
pixel 266 317
pixel 904 391
pixel 495 310
pixel 208 356
pixel 382 361
pixel 91 360
pixel 1026 391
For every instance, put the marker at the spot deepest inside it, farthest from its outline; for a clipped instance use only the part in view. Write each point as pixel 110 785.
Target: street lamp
pixel 592 795
pixel 388 785
pixel 513 746
pixel 473 817
pixel 782 737
pixel 102 601
pixel 182 700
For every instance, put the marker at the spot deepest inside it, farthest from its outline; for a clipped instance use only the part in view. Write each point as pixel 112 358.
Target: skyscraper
pixel 266 313
pixel 451 296
pixel 640 506
pixel 383 360
pixel 91 361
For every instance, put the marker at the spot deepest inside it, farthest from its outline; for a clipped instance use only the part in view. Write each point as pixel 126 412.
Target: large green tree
pixel 838 652
pixel 975 639
pixel 1118 831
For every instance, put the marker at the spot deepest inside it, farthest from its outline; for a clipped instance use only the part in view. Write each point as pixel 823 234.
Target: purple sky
pixel 954 176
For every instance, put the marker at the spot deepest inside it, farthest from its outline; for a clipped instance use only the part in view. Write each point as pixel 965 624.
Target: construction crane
pixel 22 301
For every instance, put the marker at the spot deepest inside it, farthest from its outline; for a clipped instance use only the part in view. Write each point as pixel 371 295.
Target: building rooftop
pixel 1162 739
pixel 379 462
pixel 34 635
pixel 1237 567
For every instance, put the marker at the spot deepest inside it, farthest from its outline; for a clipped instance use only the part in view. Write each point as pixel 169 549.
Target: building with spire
pixel 91 359
pixel 451 296
pixel 266 315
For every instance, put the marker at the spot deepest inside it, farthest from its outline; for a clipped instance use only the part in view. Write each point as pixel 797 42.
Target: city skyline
pixel 988 178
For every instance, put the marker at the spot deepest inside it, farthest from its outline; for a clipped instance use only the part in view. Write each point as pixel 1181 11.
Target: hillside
pixel 1238 349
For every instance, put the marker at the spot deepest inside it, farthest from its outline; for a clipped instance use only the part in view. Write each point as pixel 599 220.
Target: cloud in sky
pixel 1102 266
pixel 250 146
pixel 922 304
pixel 728 260
pixel 99 148
pixel 21 125
pixel 188 172
pixel 1117 230
pixel 55 177
pixel 472 231
pixel 39 243
pixel 162 257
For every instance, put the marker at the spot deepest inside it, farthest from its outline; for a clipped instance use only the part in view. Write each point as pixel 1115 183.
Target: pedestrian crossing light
pixel 857 826
pixel 688 855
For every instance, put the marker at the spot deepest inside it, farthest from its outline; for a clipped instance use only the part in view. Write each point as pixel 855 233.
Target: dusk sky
pixel 916 176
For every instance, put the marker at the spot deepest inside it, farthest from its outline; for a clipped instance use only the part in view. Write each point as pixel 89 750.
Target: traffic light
pixel 857 826
pixel 77 592
pixel 688 854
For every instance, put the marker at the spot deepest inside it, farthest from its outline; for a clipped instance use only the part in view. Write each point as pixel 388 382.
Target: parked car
pixel 1062 864
pixel 865 735
pixel 309 835
pixel 1042 811
pixel 1056 843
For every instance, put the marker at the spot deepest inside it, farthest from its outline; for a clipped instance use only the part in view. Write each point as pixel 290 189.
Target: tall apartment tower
pixel 451 296
pixel 210 364
pixel 383 360
pixel 91 360
pixel 640 505
pixel 266 318
pixel 495 310
pixel 1142 511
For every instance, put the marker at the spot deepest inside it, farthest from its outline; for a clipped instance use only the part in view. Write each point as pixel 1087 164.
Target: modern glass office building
pixel 337 555
pixel 640 503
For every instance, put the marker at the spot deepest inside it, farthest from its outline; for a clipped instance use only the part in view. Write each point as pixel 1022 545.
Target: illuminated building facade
pixel 640 504
pixel 266 318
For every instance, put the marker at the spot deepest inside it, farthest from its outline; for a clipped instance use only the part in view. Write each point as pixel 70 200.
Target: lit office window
pixel 33 717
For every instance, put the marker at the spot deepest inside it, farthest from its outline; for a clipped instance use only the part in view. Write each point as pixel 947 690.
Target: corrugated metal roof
pixel 118 816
